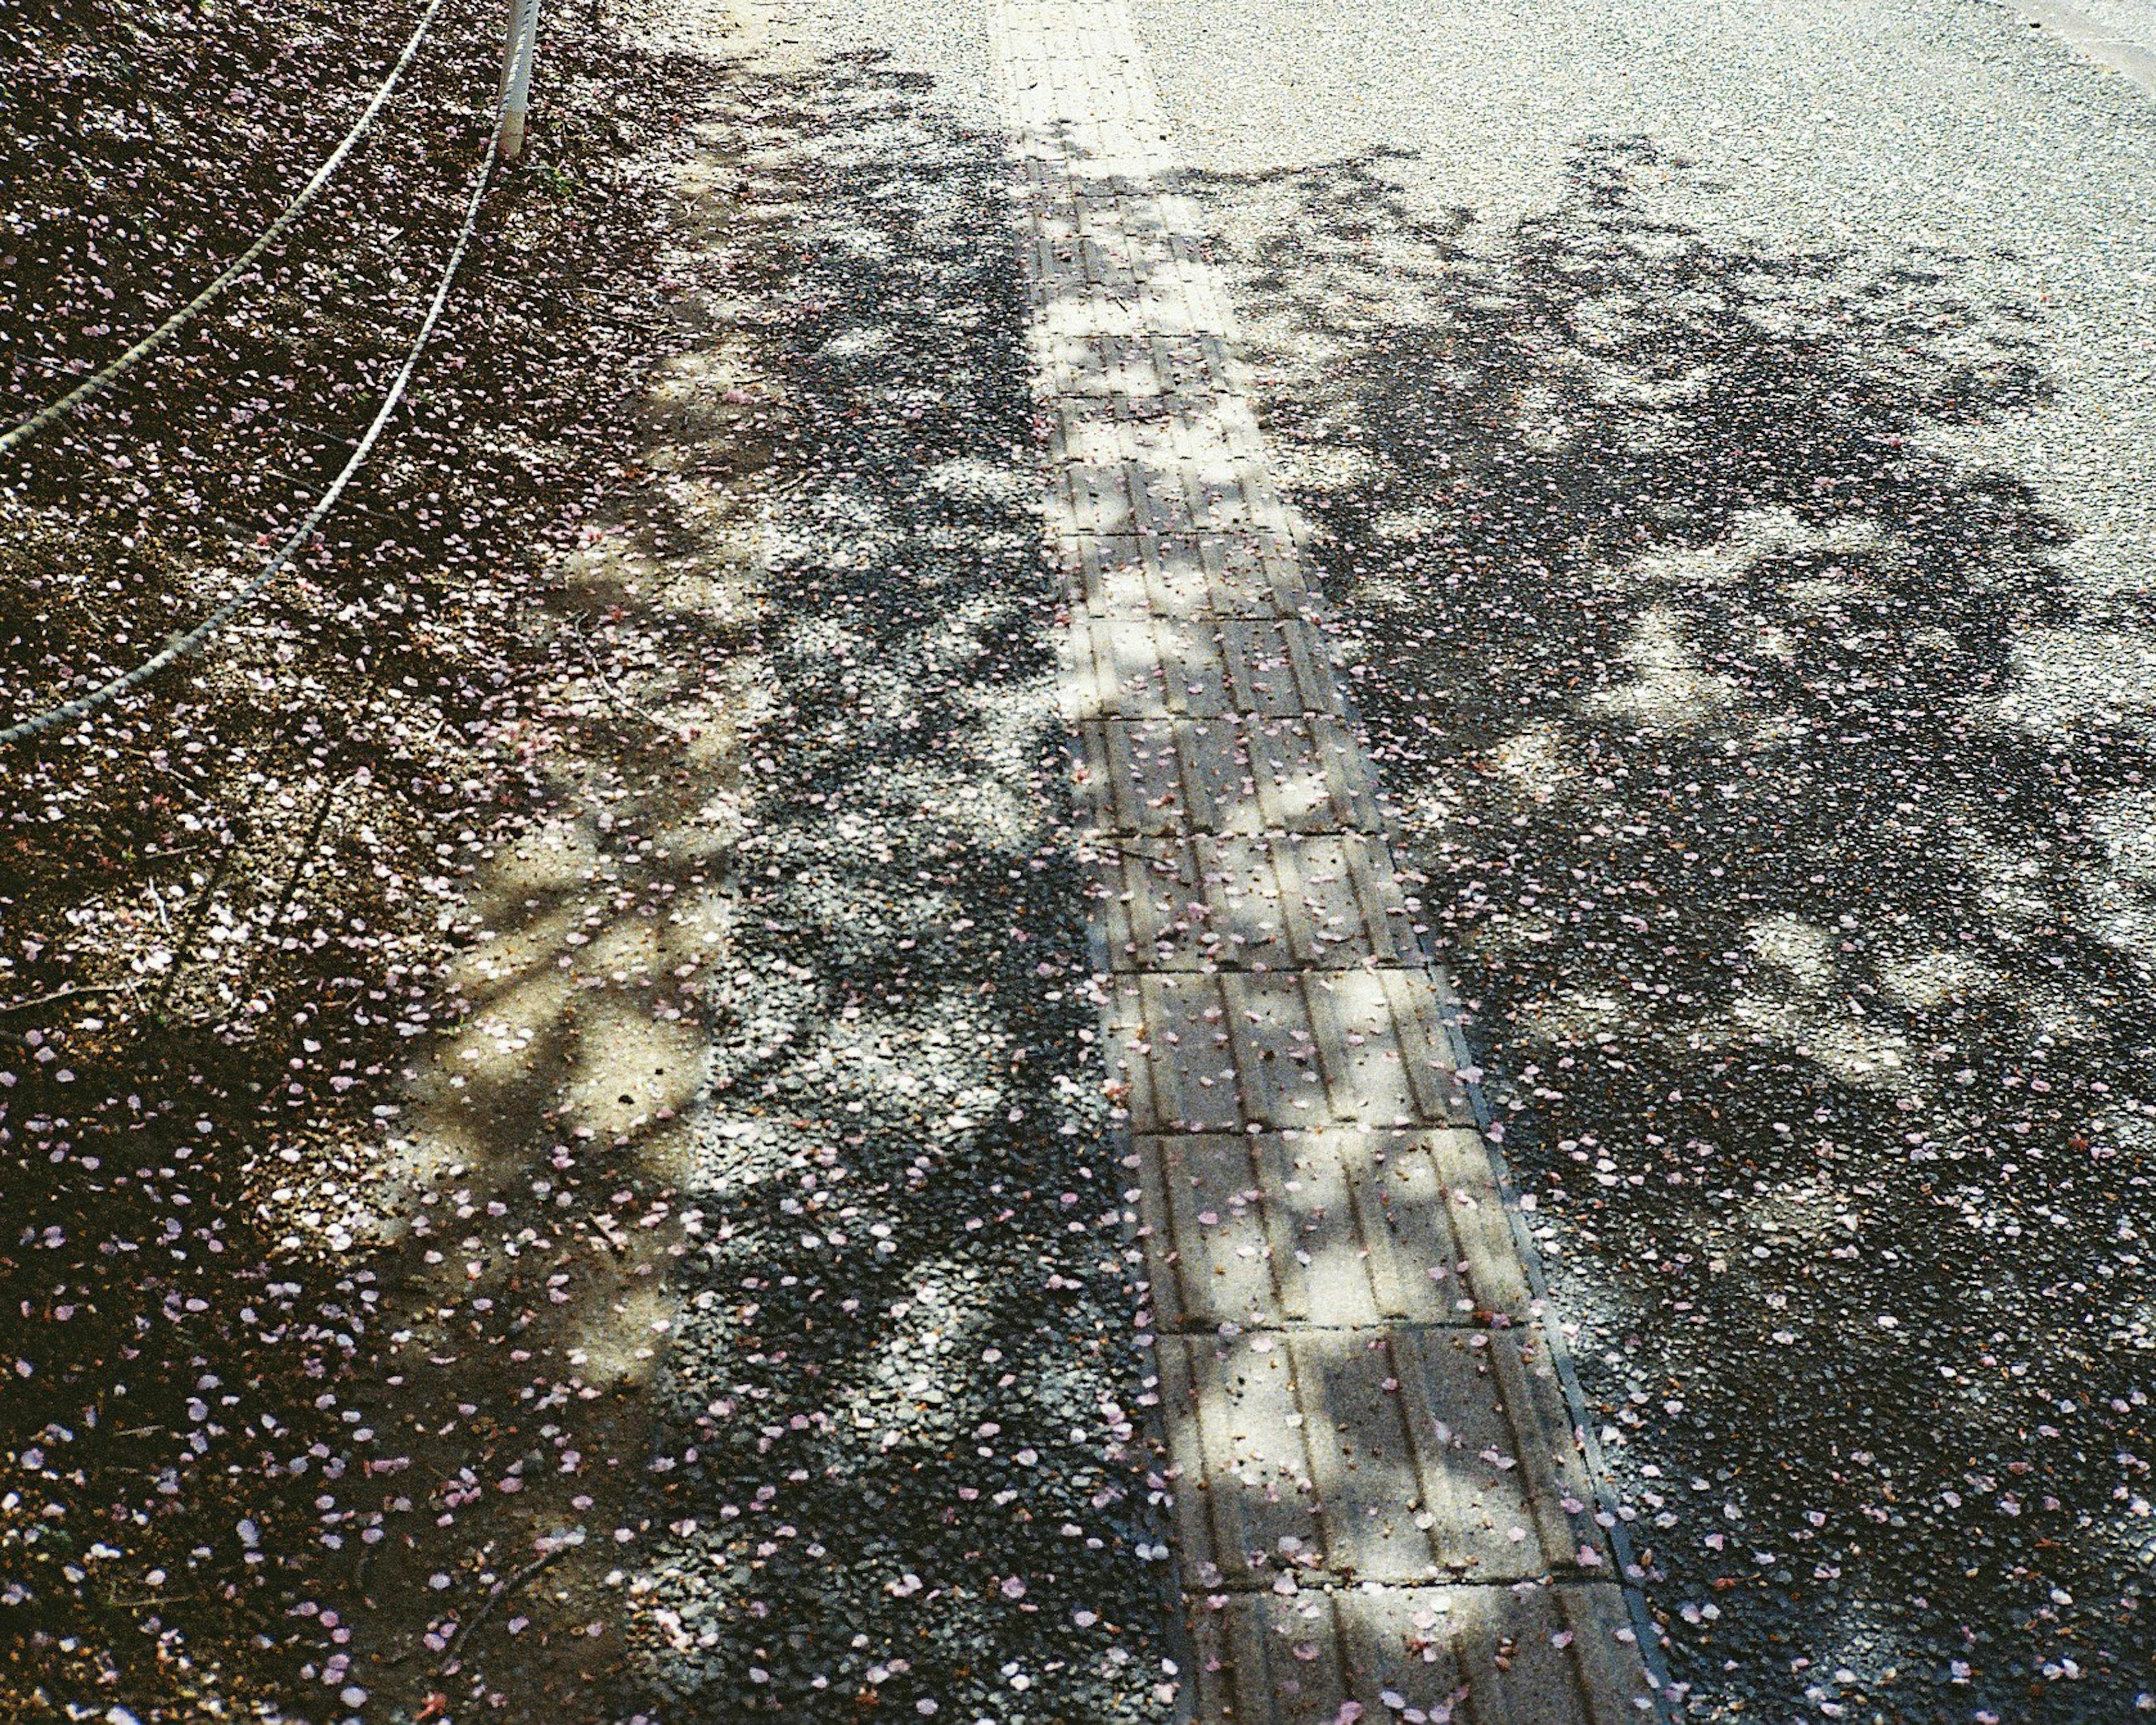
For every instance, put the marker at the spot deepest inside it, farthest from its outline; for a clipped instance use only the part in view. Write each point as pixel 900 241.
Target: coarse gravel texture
pixel 1727 433
pixel 423 1013
pixel 252 1451
pixel 899 1471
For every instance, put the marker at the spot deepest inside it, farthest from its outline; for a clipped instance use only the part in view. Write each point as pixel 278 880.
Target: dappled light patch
pixel 896 1468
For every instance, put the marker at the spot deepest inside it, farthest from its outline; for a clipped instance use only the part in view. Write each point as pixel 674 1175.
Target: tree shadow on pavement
pixel 721 1310
pixel 261 1444
pixel 1786 815
pixel 895 1466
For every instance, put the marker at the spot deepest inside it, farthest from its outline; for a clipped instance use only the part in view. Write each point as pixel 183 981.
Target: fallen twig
pixel 69 993
pixel 620 699
pixel 465 1632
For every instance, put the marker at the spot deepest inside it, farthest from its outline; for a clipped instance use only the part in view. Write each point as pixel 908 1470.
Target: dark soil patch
pixel 228 904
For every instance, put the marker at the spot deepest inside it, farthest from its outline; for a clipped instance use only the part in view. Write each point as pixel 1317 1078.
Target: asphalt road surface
pixel 2133 22
pixel 1727 433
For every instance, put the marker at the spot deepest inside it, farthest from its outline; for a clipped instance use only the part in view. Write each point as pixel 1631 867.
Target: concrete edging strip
pixel 2093 41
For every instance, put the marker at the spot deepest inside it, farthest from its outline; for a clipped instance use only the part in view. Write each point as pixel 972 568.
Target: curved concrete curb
pixel 2115 53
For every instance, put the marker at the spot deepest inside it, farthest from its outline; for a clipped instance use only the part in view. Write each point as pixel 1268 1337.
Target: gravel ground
pixel 896 1467
pixel 252 1398
pixel 1726 432
pixel 592 974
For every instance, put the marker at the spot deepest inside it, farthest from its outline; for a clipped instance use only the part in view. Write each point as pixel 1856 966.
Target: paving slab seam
pixel 1379 1459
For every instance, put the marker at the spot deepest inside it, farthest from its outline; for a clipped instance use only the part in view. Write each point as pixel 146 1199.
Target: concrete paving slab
pixel 1392 1454
pixel 1267 1230
pixel 1197 575
pixel 1353 1384
pixel 1235 777
pixel 1468 1655
pixel 1325 901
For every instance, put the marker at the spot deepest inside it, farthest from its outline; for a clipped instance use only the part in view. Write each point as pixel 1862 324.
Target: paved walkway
pixel 1380 1501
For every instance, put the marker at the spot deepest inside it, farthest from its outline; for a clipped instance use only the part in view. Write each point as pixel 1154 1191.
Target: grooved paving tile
pixel 1165 431
pixel 1063 312
pixel 1342 1227
pixel 1313 778
pixel 1199 905
pixel 1237 1051
pixel 1141 668
pixel 1354 1384
pixel 1380 1036
pixel 1343 901
pixel 1136 368
pixel 1135 478
pixel 1279 669
pixel 1398 1454
pixel 1206 668
pixel 1560 1654
pixel 1241 776
pixel 1323 901
pixel 1189 575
